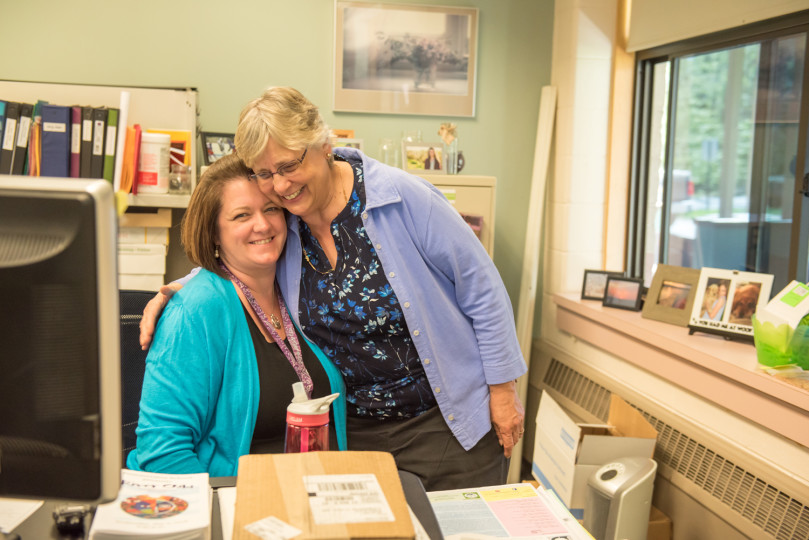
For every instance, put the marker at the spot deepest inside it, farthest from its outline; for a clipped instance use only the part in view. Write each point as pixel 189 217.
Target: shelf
pixel 158 200
pixel 721 371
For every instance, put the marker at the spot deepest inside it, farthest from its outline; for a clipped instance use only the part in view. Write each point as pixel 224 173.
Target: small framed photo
pixel 344 141
pixel 595 283
pixel 423 156
pixel 342 133
pixel 671 295
pixel 216 145
pixel 726 300
pixel 624 293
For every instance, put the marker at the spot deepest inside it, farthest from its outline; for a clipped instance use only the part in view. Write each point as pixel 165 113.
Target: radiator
pixel 747 494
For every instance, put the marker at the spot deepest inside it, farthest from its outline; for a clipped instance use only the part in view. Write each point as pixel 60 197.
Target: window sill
pixel 721 371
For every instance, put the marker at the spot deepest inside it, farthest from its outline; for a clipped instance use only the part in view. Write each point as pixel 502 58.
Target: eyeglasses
pixel 283 170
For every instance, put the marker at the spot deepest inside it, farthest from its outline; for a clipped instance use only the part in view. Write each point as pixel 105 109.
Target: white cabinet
pixel 471 195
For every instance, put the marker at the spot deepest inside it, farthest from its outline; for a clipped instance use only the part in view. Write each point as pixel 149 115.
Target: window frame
pixel 645 63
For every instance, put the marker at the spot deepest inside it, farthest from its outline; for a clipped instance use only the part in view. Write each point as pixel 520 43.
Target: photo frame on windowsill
pixel 595 283
pixel 624 293
pixel 671 295
pixel 726 300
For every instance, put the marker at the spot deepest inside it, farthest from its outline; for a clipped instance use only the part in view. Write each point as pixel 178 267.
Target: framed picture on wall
pixel 726 300
pixel 405 59
pixel 671 294
pixel 216 145
pixel 423 156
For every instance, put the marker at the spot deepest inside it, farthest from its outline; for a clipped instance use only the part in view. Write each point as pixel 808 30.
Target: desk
pixel 40 525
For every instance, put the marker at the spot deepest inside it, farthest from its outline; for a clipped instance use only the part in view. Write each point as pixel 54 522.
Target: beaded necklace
pixel 295 357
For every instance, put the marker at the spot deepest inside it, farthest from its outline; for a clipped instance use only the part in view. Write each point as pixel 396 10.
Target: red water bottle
pixel 307 422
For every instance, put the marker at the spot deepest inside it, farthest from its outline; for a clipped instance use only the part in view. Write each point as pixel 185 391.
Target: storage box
pixel 659 526
pixel 140 282
pixel 567 452
pixel 143 235
pixel 323 495
pixel 146 217
pixel 141 259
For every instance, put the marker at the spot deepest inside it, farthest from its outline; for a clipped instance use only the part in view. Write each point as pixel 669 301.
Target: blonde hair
pixel 282 114
pixel 199 225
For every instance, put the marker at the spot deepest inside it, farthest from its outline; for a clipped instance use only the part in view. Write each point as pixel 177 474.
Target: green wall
pixel 230 51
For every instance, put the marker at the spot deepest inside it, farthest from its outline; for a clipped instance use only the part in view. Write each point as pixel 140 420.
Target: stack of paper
pixel 154 505
pixel 507 511
pixel 142 246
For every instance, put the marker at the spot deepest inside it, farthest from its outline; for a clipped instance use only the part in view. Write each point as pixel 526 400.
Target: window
pixel 720 131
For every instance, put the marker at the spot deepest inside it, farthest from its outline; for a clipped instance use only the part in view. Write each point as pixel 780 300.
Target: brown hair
pixel 199 225
pixel 282 114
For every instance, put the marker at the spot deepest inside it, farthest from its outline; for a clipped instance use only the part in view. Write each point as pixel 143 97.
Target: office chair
pixel 133 364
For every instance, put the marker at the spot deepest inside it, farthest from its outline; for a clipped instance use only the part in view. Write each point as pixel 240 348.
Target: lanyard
pixel 296 356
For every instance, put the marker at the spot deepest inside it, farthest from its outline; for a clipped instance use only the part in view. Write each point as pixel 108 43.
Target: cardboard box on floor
pixel 567 452
pixel 272 486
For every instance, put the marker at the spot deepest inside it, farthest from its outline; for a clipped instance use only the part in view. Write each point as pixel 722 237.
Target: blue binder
pixel 55 141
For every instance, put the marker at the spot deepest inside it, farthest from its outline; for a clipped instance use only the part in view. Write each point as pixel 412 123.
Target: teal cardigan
pixel 201 389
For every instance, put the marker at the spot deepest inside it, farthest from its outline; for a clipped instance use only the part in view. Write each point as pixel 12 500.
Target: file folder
pixel 56 126
pixel 23 130
pixel 9 137
pixel 110 144
pixel 75 142
pixel 85 170
pixel 2 120
pixel 99 132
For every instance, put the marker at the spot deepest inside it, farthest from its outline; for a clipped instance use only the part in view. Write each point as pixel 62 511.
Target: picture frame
pixel 671 294
pixel 423 157
pixel 728 313
pixel 349 142
pixel 595 284
pixel 624 293
pixel 216 145
pixel 405 59
pixel 342 133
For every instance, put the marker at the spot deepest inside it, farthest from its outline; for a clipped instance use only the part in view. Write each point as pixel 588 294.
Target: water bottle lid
pixel 307 420
pixel 302 406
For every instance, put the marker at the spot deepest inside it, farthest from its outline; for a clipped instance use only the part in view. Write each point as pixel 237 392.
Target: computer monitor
pixel 60 386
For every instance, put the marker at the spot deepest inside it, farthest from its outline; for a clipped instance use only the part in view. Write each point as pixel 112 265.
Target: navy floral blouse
pixel 353 315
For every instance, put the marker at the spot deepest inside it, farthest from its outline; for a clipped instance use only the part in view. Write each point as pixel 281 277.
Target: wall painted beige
pixel 231 51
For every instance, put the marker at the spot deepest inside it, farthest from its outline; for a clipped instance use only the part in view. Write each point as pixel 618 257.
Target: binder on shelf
pixel 110 144
pixel 56 129
pixel 21 145
pixel 9 137
pixel 75 141
pixel 99 131
pixel 34 161
pixel 85 167
pixel 2 120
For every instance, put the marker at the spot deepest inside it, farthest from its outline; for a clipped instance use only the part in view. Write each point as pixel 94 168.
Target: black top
pixel 276 377
pixel 354 316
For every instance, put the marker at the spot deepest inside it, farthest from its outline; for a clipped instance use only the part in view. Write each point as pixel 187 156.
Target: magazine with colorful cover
pixel 155 505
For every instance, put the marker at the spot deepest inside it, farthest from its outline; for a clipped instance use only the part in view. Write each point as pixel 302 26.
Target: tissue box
pixel 779 333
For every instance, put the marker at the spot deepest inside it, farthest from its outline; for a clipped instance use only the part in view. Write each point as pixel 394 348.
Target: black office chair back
pixel 133 363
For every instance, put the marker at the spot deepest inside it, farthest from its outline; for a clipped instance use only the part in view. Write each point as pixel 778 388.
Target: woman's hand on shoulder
pixel 152 312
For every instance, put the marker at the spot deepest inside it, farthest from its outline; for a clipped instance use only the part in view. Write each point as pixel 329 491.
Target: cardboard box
pixel 143 235
pixel 146 217
pixel 323 494
pixel 140 282
pixel 567 452
pixel 659 526
pixel 141 259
